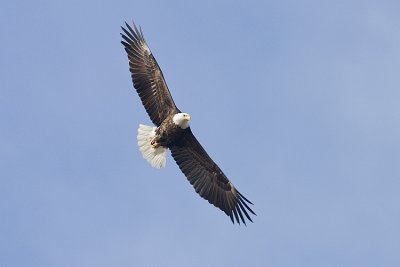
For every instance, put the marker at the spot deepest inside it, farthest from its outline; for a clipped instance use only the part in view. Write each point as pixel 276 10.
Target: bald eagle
pixel 172 132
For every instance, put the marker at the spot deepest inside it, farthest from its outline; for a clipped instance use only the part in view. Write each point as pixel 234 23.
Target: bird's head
pixel 182 120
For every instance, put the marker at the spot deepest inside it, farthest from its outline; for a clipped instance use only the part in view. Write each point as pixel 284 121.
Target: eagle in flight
pixel 173 132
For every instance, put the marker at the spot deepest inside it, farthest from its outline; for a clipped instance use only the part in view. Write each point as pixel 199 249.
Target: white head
pixel 182 120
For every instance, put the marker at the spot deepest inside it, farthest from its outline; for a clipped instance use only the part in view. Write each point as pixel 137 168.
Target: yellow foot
pixel 154 144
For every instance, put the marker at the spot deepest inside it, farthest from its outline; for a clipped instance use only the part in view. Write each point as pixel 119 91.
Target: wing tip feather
pixel 239 208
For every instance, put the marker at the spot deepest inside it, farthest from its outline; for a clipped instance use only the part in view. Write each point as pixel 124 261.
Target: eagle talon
pixel 154 144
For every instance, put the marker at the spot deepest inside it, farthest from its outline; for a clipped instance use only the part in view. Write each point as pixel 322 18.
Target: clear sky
pixel 297 101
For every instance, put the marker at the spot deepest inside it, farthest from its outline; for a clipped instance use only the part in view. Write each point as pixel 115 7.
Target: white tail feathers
pixel 157 157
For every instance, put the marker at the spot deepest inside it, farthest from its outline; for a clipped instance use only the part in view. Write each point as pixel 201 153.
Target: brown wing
pixel 207 178
pixel 147 76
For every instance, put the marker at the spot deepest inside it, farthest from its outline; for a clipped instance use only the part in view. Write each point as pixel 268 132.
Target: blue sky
pixel 297 101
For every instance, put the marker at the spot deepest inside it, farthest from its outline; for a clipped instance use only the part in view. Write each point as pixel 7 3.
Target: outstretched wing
pixel 147 76
pixel 207 178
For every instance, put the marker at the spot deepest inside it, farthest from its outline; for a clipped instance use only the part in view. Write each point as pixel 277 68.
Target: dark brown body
pixel 168 133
